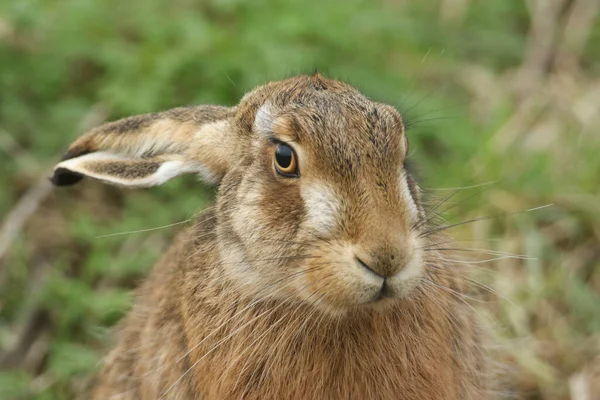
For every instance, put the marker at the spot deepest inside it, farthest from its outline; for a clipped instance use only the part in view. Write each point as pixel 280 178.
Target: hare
pixel 311 276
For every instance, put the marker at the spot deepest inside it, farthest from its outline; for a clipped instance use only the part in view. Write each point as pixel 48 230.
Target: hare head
pixel 315 202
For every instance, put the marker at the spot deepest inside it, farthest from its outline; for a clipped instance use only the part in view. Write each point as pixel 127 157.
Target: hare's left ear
pixel 148 150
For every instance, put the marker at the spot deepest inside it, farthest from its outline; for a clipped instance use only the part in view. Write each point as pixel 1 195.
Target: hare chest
pixel 272 355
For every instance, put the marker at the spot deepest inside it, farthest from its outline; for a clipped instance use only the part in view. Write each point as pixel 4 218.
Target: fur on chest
pixel 271 354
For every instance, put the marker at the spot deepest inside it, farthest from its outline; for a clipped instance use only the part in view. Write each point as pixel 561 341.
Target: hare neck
pixel 269 349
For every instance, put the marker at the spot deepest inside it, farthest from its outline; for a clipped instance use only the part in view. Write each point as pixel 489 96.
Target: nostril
pixel 366 266
pixel 392 256
pixel 361 262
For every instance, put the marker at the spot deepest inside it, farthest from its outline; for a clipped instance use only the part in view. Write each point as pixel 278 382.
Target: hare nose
pixel 384 262
pixel 368 268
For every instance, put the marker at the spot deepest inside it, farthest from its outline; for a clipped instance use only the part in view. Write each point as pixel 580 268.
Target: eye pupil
pixel 283 156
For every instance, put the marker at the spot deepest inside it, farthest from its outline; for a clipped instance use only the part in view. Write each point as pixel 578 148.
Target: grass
pixel 483 100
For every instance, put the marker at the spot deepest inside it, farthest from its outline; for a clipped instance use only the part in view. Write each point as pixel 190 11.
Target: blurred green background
pixel 503 95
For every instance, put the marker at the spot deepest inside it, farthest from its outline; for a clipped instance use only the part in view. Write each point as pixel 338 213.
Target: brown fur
pixel 265 297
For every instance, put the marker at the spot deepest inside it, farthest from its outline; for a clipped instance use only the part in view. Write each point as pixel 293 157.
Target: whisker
pixel 431 287
pixel 443 267
pixel 443 228
pixel 474 262
pixel 459 295
pixel 495 292
pixel 462 201
pixel 406 111
pixel 414 122
pixel 142 230
pixel 283 241
pixel 435 207
pixel 485 287
pixel 441 109
pixel 300 257
pixel 483 251
pixel 410 89
pixel 461 241
pixel 462 188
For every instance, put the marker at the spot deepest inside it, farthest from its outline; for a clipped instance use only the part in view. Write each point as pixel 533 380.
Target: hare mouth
pixel 384 293
pixel 391 286
pixel 387 294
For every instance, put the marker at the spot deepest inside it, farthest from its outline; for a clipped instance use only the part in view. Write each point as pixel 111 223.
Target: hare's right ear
pixel 148 150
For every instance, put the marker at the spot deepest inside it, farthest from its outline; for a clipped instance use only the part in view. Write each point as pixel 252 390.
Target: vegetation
pixel 503 95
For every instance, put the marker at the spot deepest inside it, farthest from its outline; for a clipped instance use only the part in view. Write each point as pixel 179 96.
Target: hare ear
pixel 150 149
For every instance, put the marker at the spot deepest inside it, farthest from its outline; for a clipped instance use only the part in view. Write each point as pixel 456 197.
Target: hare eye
pixel 285 161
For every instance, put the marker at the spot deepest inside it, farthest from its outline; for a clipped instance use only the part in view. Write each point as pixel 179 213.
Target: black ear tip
pixel 64 177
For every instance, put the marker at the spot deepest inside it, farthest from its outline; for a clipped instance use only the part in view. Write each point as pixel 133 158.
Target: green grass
pixel 66 65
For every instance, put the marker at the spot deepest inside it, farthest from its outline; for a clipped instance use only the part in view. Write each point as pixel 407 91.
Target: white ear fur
pixel 148 150
pixel 121 171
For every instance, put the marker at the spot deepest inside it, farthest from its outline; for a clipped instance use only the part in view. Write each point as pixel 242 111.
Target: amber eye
pixel 285 161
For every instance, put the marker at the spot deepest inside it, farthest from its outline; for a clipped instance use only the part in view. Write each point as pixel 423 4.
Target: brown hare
pixel 315 274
